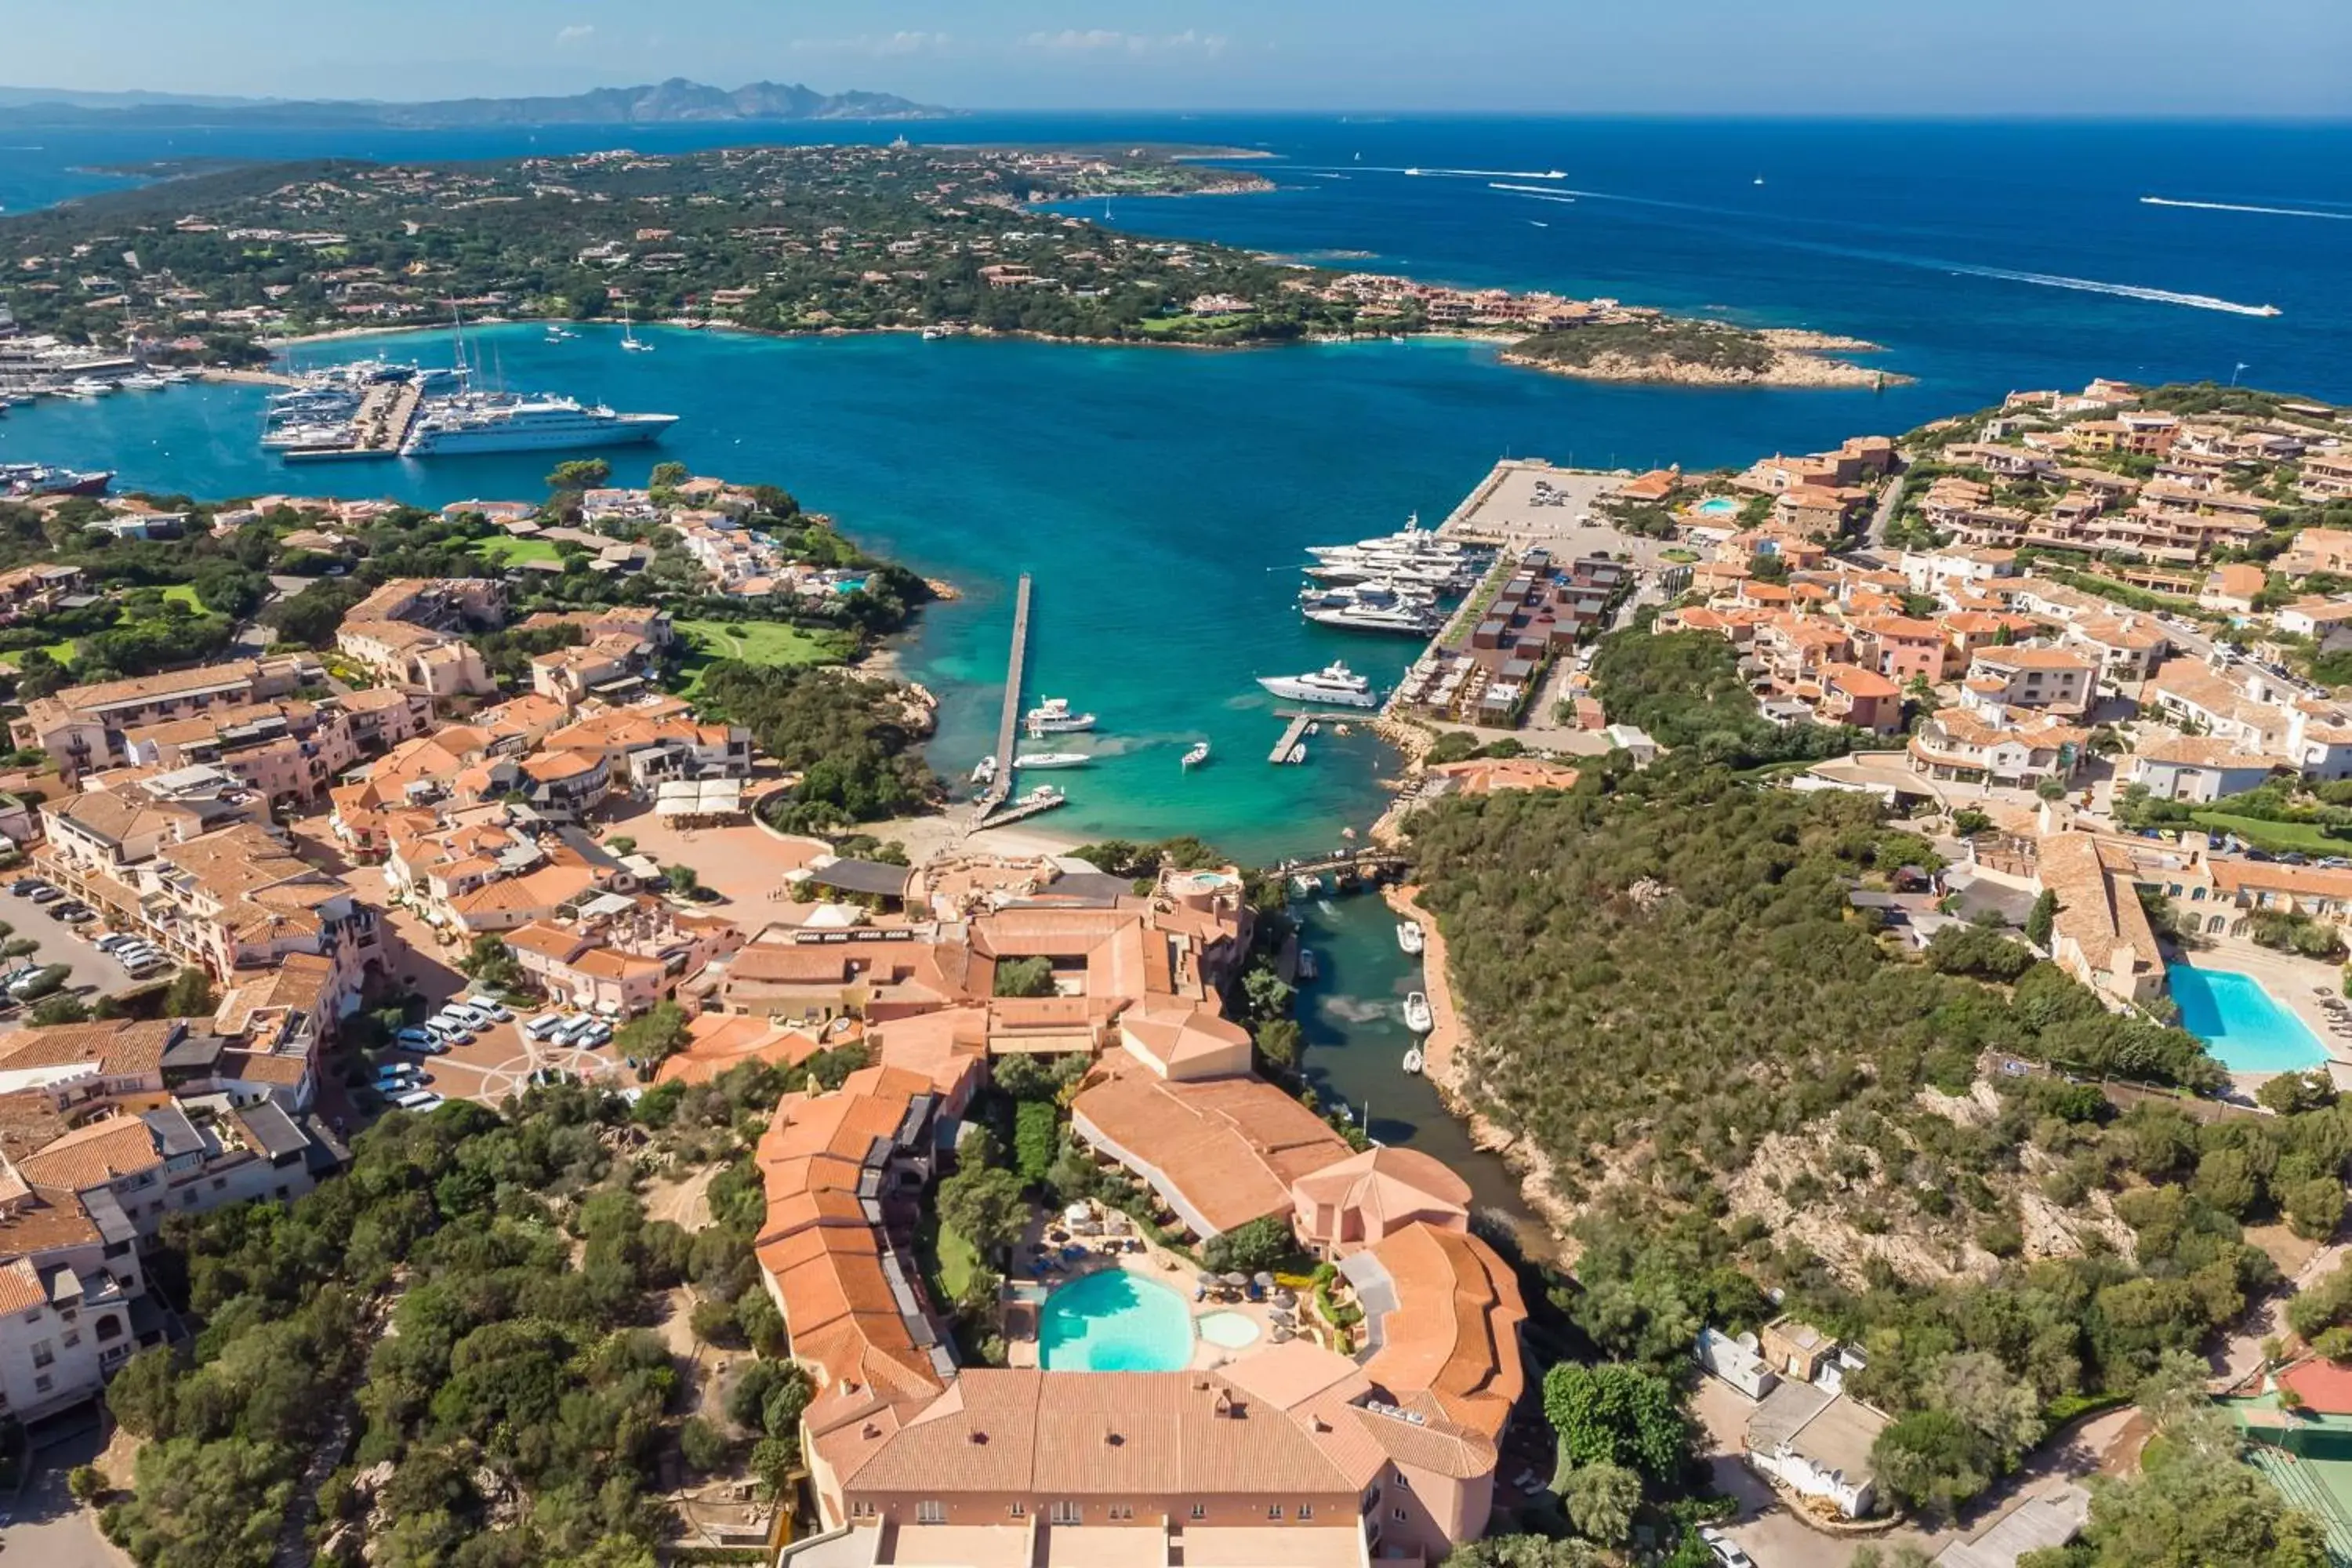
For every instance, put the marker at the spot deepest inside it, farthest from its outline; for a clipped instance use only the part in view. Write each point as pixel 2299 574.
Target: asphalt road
pixel 45 1527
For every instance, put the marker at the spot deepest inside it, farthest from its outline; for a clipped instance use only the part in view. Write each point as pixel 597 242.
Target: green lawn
pixel 186 594
pixel 60 651
pixel 2275 836
pixel 946 1258
pixel 508 551
pixel 762 642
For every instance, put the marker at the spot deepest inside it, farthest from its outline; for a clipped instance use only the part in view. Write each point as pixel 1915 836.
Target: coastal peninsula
pixel 216 266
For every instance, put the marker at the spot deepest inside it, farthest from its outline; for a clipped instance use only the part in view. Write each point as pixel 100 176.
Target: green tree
pixel 59 1007
pixel 1615 1414
pixel 1602 1499
pixel 1266 995
pixel 703 1446
pixel 1032 976
pixel 654 1034
pixel 1036 1137
pixel 683 880
pixel 1251 1247
pixel 1934 1461
pixel 669 476
pixel 189 995
pixel 1280 1042
pixel 985 1208
pixel 488 961
pixel 2041 920
pixel 579 474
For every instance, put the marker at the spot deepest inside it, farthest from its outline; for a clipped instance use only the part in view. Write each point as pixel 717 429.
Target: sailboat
pixel 629 339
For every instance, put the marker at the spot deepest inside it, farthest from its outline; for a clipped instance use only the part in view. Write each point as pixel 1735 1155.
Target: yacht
pixel 18 479
pixel 629 339
pixel 1052 760
pixel 1198 754
pixel 559 333
pixel 466 427
pixel 1410 936
pixel 1042 797
pixel 1404 617
pixel 92 386
pixel 1334 683
pixel 1052 716
pixel 1434 576
pixel 1417 1016
pixel 144 382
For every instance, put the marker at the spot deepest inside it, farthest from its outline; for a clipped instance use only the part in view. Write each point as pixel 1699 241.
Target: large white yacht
pixel 1334 683
pixel 464 427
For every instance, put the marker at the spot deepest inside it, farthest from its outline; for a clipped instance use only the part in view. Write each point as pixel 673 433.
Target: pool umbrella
pixel 1204 1281
pixel 1264 1281
pixel 1237 1279
pixel 1075 1213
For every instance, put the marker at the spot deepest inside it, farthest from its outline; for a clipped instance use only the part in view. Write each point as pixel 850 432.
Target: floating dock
pixel 387 409
pixel 1291 736
pixel 1008 725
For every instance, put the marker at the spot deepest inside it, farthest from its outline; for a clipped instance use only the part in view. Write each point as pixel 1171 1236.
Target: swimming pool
pixel 1718 506
pixel 1114 1322
pixel 2242 1024
pixel 1229 1330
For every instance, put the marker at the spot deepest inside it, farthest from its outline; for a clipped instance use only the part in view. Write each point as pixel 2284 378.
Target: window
pixel 1200 1510
pixel 109 1327
pixel 42 1354
pixel 1397 1514
pixel 862 1511
pixel 1067 1513
pixel 1020 1510
pixel 1273 1512
pixel 1404 1483
pixel 220 1184
pixel 930 1513
pixel 1305 1512
pixel 41 1384
pixel 72 1337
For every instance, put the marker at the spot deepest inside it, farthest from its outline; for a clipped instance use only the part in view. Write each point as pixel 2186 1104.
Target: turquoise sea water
pixel 2241 1025
pixel 1113 1322
pixel 1160 497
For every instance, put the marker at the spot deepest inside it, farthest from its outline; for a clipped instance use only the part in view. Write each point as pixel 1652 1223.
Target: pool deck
pixel 1173 1272
pixel 2290 981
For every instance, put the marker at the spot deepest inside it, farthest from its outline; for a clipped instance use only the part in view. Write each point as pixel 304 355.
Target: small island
pixel 1646 346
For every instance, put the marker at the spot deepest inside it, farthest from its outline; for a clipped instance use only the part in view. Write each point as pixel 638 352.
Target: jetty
pixel 1008 724
pixel 1291 735
pixel 387 409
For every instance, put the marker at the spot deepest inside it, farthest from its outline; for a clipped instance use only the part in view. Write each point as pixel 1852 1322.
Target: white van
pixel 417 1100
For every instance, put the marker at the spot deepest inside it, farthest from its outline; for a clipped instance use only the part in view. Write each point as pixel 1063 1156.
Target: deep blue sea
pixel 1161 495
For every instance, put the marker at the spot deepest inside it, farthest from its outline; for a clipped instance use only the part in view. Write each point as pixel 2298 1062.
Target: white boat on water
pixel 985 772
pixel 629 339
pixel 1413 1061
pixel 1198 754
pixel 1052 716
pixel 469 426
pixel 1052 760
pixel 1410 936
pixel 1042 796
pixel 1358 617
pixel 1417 1016
pixel 1335 684
pixel 1297 753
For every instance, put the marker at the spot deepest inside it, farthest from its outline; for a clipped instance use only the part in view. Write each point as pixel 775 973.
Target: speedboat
pixel 1410 936
pixel 1198 754
pixel 1417 1016
pixel 1413 1061
pixel 986 773
pixel 1052 716
pixel 1041 797
pixel 1052 760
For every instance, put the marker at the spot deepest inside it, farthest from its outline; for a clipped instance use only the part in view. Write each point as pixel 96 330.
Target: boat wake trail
pixel 2242 207
pixel 1539 192
pixel 2120 291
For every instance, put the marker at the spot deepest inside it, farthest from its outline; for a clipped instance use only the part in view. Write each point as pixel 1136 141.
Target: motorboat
pixel 1417 1016
pixel 1297 753
pixel 1197 754
pixel 985 772
pixel 1042 797
pixel 1052 716
pixel 1413 1061
pixel 1411 938
pixel 1052 760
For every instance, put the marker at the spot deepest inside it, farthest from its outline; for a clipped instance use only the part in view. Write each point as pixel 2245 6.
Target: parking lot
pixel 500 1061
pixel 93 973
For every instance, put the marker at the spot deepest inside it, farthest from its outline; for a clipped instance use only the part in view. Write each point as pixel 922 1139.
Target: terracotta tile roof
pixel 118 1048
pixel 1454 1332
pixel 1230 1147
pixel 93 1155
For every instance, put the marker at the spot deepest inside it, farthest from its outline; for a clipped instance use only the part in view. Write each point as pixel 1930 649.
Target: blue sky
pixel 2113 58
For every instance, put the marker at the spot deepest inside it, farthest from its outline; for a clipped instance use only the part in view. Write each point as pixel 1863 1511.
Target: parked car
pixel 540 1027
pixel 449 1033
pixel 496 1011
pixel 42 893
pixel 107 941
pixel 1726 1551
pixel 38 983
pixel 412 1035
pixel 417 1100
pixel 597 1033
pixel 23 886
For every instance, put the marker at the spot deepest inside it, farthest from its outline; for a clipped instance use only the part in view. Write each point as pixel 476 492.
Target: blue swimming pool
pixel 1718 506
pixel 1113 1322
pixel 2242 1024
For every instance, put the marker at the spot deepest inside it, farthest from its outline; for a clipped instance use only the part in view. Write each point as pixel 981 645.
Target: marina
pixel 1292 747
pixel 998 782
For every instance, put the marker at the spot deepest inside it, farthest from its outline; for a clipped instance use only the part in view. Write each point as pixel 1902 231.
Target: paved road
pixel 1883 517
pixel 91 969
pixel 45 1527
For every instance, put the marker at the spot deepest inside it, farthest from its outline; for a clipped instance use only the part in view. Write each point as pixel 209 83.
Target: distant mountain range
pixel 660 104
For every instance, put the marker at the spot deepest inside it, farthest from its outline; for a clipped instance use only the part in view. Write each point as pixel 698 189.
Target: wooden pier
pixel 1008 725
pixel 1291 736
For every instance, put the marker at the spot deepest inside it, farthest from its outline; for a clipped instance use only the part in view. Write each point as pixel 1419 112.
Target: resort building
pixel 1362 1201
pixel 410 632
pixel 2101 935
pixel 287 750
pixel 2047 680
pixel 2200 768
pixel 1961 747
pixel 1818 1445
pixel 83 728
